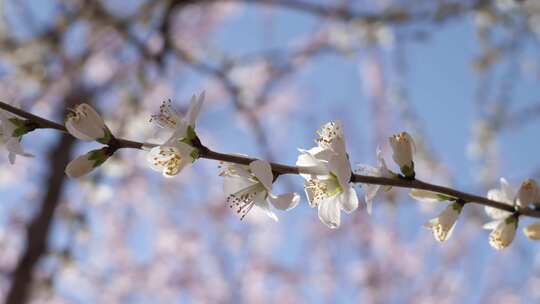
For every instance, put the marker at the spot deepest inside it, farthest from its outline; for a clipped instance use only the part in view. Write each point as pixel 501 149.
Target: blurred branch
pixel 393 15
pixel 37 234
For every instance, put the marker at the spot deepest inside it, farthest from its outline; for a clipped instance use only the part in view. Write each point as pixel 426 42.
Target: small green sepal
pixel 457 206
pixel 408 171
pixel 190 133
pixel 191 137
pixel 513 219
pixel 442 197
pixel 98 156
pixel 194 154
pixel 23 126
pixel 107 137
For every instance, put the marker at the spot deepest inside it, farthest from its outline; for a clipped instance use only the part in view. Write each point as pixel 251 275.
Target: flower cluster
pixel 179 150
pixel 328 175
pixel 85 123
pixel 329 182
pixel 504 225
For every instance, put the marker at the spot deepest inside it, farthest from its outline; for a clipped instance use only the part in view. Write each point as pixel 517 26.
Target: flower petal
pixel 85 123
pixel 13 145
pixel 194 109
pixel 179 133
pixel 285 201
pixel 491 225
pixel 330 213
pixel 431 223
pixel 426 196
pixel 348 199
pixel 532 231
pixel 75 132
pixel 339 165
pixel 495 213
pixel 262 203
pixel 370 190
pixel 314 161
pixel 233 184
pixel 309 194
pixel 263 172
pixel 507 191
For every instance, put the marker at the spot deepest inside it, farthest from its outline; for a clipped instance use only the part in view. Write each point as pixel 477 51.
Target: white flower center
pixel 167 117
pixel 244 199
pixel 528 185
pixel 497 241
pixel 323 189
pixel 402 138
pixel 77 114
pixel 440 232
pixel 501 237
pixel 233 170
pixel 329 133
pixel 169 159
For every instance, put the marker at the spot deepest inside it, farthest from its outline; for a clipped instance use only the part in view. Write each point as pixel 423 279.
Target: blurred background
pixel 460 76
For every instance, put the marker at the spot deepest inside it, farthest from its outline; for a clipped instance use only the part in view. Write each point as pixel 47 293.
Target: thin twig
pixel 285 169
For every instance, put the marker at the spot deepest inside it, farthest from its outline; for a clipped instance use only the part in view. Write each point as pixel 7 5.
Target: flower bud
pixel 84 164
pixel 403 148
pixel 532 231
pixel 527 194
pixel 86 124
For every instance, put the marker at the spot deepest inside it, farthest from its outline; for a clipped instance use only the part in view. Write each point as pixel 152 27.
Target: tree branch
pixel 285 169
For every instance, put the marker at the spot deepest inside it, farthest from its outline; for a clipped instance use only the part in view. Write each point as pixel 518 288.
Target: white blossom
pixel 84 164
pixel 532 231
pixel 327 172
pixel 503 232
pixel 443 225
pixel 10 138
pixel 251 186
pixel 171 157
pixel 168 118
pixel 178 151
pixel 528 193
pixel 371 190
pixel 505 223
pixel 85 123
pixel 403 149
pixel 503 195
